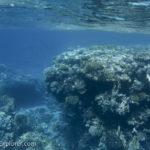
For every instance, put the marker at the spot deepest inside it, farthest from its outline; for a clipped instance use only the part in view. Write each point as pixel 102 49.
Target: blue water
pixel 29 50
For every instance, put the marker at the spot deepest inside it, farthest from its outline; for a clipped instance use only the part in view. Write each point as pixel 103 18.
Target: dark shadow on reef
pixel 24 89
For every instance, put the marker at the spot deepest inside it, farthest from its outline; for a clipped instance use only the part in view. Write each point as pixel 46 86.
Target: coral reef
pixel 106 93
pixel 41 126
pixel 6 129
pixel 28 128
pixel 37 128
pixel 7 104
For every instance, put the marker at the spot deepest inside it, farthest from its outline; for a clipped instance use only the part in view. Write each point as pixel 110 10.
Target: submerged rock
pixel 7 104
pixel 6 129
pixel 112 111
pixel 38 128
pixel 24 89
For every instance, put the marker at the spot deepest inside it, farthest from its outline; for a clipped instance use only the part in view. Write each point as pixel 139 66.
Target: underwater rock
pixel 22 125
pixel 5 121
pixel 6 104
pixel 37 128
pixel 113 142
pixel 6 129
pixel 44 125
pixel 25 90
pixel 73 100
pixel 113 108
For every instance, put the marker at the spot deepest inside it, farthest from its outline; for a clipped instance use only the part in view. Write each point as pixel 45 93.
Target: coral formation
pixel 35 128
pixel 24 128
pixel 106 93
pixel 7 104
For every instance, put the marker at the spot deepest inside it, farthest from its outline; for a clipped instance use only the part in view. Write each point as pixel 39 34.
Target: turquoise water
pixel 74 75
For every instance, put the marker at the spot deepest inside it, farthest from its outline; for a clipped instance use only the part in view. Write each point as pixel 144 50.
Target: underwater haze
pixel 74 75
pixel 30 50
